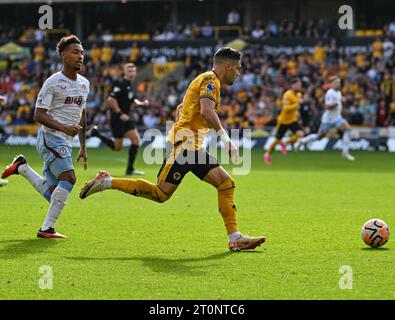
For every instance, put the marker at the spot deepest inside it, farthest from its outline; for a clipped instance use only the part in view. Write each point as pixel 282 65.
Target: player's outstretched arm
pixel 41 115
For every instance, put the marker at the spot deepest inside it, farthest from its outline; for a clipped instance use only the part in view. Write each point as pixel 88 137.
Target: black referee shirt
pixel 122 91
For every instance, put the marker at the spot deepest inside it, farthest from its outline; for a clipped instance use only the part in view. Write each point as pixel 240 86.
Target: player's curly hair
pixel 227 53
pixel 65 42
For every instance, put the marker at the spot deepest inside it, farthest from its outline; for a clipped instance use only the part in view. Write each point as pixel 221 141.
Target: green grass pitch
pixel 310 205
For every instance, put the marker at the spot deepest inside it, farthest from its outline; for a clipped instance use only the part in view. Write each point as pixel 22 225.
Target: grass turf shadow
pixel 375 249
pixel 166 265
pixel 15 249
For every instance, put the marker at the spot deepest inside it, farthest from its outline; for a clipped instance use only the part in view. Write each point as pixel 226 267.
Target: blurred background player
pixel 122 125
pixel 196 114
pixel 332 118
pixel 288 119
pixel 2 103
pixel 60 108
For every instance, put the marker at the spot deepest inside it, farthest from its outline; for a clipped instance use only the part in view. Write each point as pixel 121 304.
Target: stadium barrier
pixel 364 139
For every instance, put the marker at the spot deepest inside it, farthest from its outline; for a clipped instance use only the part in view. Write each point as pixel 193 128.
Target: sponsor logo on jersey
pixel 62 150
pixel 210 87
pixel 79 100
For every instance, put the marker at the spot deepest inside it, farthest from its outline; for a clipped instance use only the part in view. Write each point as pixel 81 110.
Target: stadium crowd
pixel 368 85
pixel 261 30
pixel 313 28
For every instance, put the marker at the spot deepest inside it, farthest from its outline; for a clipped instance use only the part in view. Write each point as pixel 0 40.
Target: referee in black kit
pixel 120 99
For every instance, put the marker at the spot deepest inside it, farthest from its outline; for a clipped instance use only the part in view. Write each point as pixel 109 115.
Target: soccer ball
pixel 375 233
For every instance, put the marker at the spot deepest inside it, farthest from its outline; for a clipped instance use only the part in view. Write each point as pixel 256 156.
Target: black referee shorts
pixel 119 127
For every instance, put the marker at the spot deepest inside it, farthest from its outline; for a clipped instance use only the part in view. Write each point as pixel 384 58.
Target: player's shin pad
pixel 227 206
pixel 140 188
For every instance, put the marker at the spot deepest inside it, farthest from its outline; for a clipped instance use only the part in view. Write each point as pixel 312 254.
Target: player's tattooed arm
pixel 82 136
pixel 41 116
pixel 82 133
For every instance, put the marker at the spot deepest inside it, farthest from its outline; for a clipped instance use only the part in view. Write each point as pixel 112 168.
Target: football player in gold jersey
pixel 195 116
pixel 288 119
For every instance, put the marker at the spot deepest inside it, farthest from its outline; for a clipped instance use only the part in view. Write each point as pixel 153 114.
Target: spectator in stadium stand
pixel 388 49
pixel 22 113
pixel 299 28
pixel 322 30
pixel 39 35
pixel 258 32
pixel 272 29
pixel 319 53
pixel 95 53
pixel 187 32
pixel 106 53
pixel 310 29
pixel 150 120
pixel 377 48
pixel 107 36
pixel 282 28
pixel 97 33
pixel 387 87
pixel 5 118
pixel 233 17
pixel 169 35
pixel 134 52
pixel 157 36
pixel 391 116
pixel 333 53
pixel 265 77
pixel 391 29
pixel 306 113
pixel 207 30
pixel 178 34
pixel 382 116
pixel 2 102
pixel 39 52
pixel 355 115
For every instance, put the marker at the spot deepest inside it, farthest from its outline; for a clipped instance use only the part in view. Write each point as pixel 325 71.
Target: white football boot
pixel 97 184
